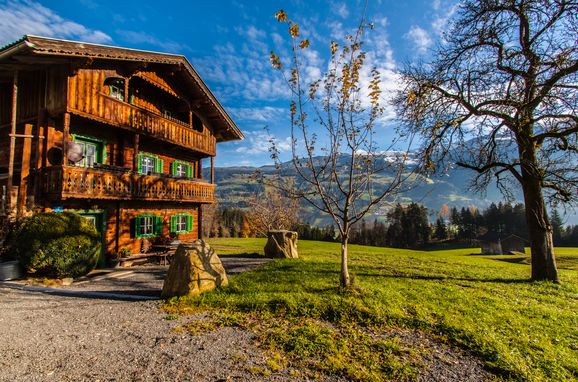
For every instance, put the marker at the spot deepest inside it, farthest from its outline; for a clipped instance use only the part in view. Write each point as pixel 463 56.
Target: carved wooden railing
pixel 115 112
pixel 63 182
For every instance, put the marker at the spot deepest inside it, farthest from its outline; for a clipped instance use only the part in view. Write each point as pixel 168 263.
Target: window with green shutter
pixel 182 169
pixel 149 164
pixel 181 223
pixel 148 225
pixel 93 150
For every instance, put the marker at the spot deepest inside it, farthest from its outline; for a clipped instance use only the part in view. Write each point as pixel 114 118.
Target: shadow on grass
pixel 514 260
pixel 446 278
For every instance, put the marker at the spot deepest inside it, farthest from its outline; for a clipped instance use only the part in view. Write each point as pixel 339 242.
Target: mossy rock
pixel 57 245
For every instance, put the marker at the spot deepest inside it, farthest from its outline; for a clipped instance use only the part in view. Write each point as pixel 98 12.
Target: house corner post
pixel 9 194
pixel 65 134
pixel 25 170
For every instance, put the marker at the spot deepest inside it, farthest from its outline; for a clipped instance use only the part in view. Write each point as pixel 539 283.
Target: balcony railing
pixel 115 112
pixel 64 182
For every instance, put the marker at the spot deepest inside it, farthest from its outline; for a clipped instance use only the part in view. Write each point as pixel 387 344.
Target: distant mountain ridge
pixel 235 184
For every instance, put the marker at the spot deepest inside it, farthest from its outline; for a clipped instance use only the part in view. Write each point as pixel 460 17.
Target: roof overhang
pixel 31 51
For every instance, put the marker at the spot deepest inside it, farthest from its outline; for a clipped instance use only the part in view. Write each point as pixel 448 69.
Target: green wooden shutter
pixel 135 226
pixel 158 225
pixel 174 168
pixel 189 223
pixel 160 165
pixel 103 152
pixel 189 171
pixel 139 163
pixel 174 223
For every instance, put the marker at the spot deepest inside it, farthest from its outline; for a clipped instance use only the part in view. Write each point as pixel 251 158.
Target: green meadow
pixel 521 330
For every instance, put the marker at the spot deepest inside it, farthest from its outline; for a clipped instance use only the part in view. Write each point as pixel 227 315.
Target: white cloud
pixel 139 37
pixel 420 37
pixel 443 13
pixel 341 10
pixel 243 72
pixel 258 114
pixel 20 17
pixel 259 142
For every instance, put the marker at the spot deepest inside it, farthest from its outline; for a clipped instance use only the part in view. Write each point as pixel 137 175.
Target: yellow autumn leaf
pixel 281 16
pixel 294 30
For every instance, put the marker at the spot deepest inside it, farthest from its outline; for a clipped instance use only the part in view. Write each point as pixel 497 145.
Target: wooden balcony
pixel 111 111
pixel 64 182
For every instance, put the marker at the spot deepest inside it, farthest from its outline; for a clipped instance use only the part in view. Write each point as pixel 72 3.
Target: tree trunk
pixel 344 276
pixel 539 228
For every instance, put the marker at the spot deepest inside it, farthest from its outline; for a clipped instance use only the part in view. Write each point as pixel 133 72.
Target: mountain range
pixel 235 184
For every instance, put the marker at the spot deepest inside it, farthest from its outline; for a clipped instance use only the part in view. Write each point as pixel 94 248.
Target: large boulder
pixel 281 244
pixel 195 268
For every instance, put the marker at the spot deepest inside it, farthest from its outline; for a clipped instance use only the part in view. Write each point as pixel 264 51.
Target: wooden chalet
pixel 117 135
pixel 492 243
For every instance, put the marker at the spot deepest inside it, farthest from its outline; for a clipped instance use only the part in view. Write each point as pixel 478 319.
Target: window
pixel 115 87
pixel 150 164
pixel 147 225
pixel 182 169
pixel 181 223
pixel 93 150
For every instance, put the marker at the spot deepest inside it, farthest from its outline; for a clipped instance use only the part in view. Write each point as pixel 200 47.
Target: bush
pixel 57 245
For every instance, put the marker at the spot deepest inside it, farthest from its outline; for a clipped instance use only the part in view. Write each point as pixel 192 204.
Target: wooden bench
pixel 143 258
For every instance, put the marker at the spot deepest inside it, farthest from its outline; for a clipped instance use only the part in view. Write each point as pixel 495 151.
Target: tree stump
pixel 281 244
pixel 195 268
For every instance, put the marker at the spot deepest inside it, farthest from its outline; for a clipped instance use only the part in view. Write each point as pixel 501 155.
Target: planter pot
pixel 10 270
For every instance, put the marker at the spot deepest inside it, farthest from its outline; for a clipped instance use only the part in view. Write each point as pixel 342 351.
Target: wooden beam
pixel 212 170
pixel 37 156
pixel 25 169
pixel 12 141
pixel 135 155
pixel 65 134
pixel 200 169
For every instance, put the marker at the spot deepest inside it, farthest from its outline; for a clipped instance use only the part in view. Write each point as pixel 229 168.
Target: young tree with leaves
pixel 333 121
pixel 500 97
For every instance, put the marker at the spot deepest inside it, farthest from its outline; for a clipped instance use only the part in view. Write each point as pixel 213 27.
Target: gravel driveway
pixel 45 337
pixel 56 338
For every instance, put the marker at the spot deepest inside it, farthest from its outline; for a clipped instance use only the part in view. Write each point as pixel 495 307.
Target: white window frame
pixel 146 226
pixel 181 223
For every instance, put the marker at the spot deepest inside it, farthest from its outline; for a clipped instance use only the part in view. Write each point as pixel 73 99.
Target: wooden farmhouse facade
pixel 117 135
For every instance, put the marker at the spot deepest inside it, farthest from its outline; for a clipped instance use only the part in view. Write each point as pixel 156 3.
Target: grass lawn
pixel 521 330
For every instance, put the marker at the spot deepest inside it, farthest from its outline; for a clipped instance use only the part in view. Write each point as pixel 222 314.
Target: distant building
pixel 493 244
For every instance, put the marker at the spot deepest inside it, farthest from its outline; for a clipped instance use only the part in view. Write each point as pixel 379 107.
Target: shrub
pixel 57 245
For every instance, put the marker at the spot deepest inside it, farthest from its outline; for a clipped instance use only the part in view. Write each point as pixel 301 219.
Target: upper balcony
pixel 109 110
pixel 65 182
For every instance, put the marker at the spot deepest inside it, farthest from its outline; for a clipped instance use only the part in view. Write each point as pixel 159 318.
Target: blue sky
pixel 228 42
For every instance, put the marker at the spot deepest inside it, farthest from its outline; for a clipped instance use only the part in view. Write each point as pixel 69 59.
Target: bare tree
pixel 333 118
pixel 272 210
pixel 500 98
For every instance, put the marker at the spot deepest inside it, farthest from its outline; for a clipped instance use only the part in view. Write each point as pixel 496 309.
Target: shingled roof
pixel 34 49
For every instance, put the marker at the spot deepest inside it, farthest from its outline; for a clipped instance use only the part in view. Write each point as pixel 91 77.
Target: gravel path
pixel 56 338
